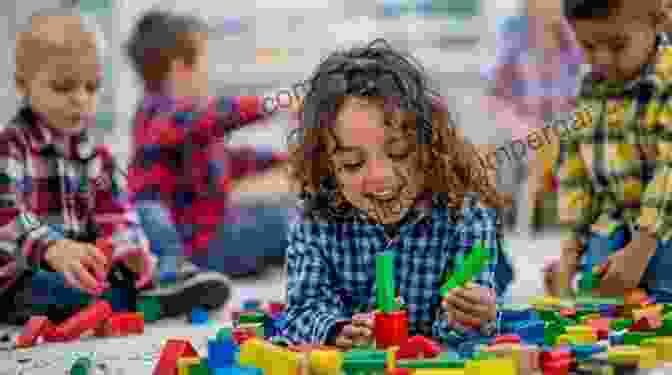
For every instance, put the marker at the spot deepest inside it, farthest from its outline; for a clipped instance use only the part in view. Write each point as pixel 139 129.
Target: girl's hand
pixel 138 263
pixel 358 333
pixel 82 264
pixel 624 269
pixel 472 305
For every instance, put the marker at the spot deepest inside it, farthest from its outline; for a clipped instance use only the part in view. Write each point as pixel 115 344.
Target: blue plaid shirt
pixel 331 267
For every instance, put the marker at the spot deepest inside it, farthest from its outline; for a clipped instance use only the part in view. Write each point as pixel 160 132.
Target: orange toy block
pixel 35 327
pixel 122 324
pixel 88 319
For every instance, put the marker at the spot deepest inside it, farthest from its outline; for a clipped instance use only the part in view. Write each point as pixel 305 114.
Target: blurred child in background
pixel 614 167
pixel 59 191
pixel 182 169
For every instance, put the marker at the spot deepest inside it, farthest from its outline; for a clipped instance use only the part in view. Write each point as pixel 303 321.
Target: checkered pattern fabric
pixel 331 266
pixel 54 187
pixel 183 162
pixel 614 166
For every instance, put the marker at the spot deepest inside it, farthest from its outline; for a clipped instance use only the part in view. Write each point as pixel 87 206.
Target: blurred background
pixel 263 46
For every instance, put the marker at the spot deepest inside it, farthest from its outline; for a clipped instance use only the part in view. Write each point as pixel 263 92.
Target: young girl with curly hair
pixel 380 166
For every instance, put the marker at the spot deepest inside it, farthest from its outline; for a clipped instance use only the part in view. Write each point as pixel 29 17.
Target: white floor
pixel 138 355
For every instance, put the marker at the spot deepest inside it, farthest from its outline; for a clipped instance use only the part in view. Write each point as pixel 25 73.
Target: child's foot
pixel 191 287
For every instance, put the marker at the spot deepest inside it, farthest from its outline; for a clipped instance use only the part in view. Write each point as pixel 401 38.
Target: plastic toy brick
pixel 275 308
pixel 418 346
pixel 150 307
pixel 199 315
pixel 582 352
pixel 431 371
pixel 391 329
pixel 88 319
pixel 600 327
pixel 306 348
pixel 431 363
pixel 531 332
pixel 663 346
pixel 653 311
pixel 560 367
pixel 647 323
pixel 251 317
pixel 184 365
pixel 224 333
pixel 251 304
pixel 526 357
pixel 635 338
pixel 566 339
pixel 172 352
pixel 221 353
pixel 620 324
pixel 357 354
pixel 323 362
pixel 385 282
pixel 35 327
pixel 506 339
pixel 624 355
pixel 597 301
pixel 122 324
pixel 82 366
pixel 568 313
pixel 472 266
pixel 499 366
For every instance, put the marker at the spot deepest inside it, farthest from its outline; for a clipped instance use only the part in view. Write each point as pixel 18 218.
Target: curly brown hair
pixel 451 163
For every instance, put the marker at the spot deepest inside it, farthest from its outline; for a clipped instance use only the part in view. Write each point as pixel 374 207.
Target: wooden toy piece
pixel 122 324
pixel 150 307
pixel 499 366
pixel 173 351
pixel 35 327
pixel 184 365
pixel 82 366
pixel 472 266
pixel 86 320
pixel 390 329
pixel 325 362
pixel 385 282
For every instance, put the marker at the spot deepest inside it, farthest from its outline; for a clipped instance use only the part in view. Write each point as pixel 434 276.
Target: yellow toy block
pixel 439 371
pixel 184 364
pixel 499 366
pixel 663 348
pixel 565 340
pixel 251 352
pixel 647 359
pixel 624 354
pixel 284 362
pixel 655 311
pixel 587 318
pixel 580 329
pixel 546 302
pixel 325 362
pixel 392 358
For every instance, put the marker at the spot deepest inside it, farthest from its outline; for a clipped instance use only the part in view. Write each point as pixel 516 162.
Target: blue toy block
pixel 583 352
pixel 251 305
pixel 531 332
pixel 617 338
pixel 199 315
pixel 221 353
pixel 517 315
pixel 235 370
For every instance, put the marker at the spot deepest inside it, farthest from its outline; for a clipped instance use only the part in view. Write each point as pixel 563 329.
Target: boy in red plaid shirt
pixel 182 168
pixel 60 193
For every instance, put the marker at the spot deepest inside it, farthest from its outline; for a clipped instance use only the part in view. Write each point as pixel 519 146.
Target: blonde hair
pixel 52 33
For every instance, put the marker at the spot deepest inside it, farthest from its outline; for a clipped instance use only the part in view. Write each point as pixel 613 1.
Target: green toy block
pixel 598 301
pixel 620 324
pixel 150 307
pixel 224 334
pixel 482 356
pixel 364 364
pixel 431 363
pixel 200 368
pixel 385 281
pixel 667 308
pixel 636 338
pixel 361 354
pixel 552 331
pixel 82 366
pixel 472 266
pixel 252 317
pixel 666 329
pixel 589 282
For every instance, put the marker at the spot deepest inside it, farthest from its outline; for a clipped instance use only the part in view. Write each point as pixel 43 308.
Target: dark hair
pixel 591 9
pixel 396 82
pixel 159 38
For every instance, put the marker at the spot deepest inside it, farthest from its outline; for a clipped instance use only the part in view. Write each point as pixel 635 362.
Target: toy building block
pixel 221 353
pixel 431 363
pixel 500 366
pixel 360 354
pixel 150 307
pixel 556 362
pixel 647 323
pixel 172 352
pixel 251 317
pixel 251 304
pixel 82 366
pixel 416 347
pixel 532 332
pixel 184 365
pixel 122 324
pixel 472 266
pixel 600 327
pixel 199 315
pixel 624 355
pixel 636 338
pixel 663 346
pixel 385 282
pixel 431 371
pixel 655 311
pixel 507 339
pixel 390 329
pixel 35 327
pixel 526 357
pixel 323 362
pixel 86 320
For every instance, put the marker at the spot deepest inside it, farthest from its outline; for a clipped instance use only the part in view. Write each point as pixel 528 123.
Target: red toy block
pixel 568 313
pixel 506 339
pixel 411 349
pixel 88 319
pixel 398 371
pixel 647 323
pixel 35 327
pixel 558 367
pixel 554 356
pixel 390 329
pixel 430 348
pixel 276 307
pixel 173 350
pixel 123 324
pixel 601 327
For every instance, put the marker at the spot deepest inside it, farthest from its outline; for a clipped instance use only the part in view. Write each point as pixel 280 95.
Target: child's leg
pixel 657 279
pixel 243 247
pixel 164 240
pixel 41 293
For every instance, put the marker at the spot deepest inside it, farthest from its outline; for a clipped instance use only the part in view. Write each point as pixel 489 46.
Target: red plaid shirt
pixel 182 161
pixel 54 187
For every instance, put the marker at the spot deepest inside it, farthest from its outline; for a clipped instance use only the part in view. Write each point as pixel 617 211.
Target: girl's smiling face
pixel 373 155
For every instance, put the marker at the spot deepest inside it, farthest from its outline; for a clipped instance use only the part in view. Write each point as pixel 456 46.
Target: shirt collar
pixel 44 139
pixel 165 102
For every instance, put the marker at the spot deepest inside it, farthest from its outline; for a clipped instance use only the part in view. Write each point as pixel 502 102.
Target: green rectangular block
pixel 150 308
pixel 385 281
pixel 636 338
pixel 620 324
pixel 359 354
pixel 431 363
pixel 200 368
pixel 472 266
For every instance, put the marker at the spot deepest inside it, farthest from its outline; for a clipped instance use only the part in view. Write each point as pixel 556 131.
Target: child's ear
pixel 661 20
pixel 21 86
pixel 181 69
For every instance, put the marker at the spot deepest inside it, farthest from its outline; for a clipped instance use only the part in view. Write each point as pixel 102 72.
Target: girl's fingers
pixel 456 302
pixel 466 319
pixel 73 281
pixel 344 343
pixel 98 269
pixel 97 255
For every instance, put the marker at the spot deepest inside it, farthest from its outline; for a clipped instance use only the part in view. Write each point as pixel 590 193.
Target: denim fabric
pixel 657 279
